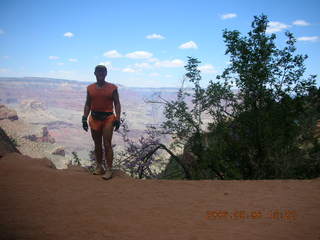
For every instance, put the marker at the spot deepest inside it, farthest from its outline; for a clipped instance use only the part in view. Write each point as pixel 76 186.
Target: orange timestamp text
pixel 275 214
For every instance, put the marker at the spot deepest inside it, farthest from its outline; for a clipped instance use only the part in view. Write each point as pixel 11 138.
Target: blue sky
pixel 143 43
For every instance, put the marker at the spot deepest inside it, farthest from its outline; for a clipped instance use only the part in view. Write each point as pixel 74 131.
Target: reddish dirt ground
pixel 39 202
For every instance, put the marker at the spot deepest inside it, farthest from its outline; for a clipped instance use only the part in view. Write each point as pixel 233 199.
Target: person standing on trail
pixel 101 97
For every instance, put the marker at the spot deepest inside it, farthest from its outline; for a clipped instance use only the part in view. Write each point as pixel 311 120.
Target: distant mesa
pixel 6 113
pixel 59 151
pixel 46 137
pixel 28 105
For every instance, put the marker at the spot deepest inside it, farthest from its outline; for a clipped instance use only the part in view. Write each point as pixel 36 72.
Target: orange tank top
pixel 101 98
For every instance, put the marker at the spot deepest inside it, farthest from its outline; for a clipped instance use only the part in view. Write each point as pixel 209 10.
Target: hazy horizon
pixel 78 81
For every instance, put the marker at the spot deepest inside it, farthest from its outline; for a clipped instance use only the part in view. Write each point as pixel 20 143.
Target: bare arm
pixel 117 104
pixel 87 106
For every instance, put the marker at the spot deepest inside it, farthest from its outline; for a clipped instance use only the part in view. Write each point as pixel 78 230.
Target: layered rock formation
pixel 31 104
pixel 33 140
pixel 46 137
pixel 6 113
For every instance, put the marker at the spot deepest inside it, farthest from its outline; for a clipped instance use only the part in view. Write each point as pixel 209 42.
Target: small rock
pixel 59 151
pixel 32 137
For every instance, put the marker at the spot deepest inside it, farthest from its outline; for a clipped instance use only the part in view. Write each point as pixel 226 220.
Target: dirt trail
pixel 38 202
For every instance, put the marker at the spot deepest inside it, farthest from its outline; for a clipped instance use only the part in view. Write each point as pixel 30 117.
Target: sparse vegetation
pixel 138 156
pixel 13 141
pixel 76 159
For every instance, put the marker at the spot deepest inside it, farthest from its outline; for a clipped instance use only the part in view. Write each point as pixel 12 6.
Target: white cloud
pixel 139 55
pixel 170 63
pixel 168 76
pixel 228 16
pixel 107 64
pixel 154 74
pixel 129 70
pixel 207 68
pixel 301 23
pixel 142 65
pixel 155 36
pixel 190 44
pixel 153 59
pixel 309 39
pixel 138 67
pixel 112 54
pixel 60 63
pixel 53 57
pixel 68 34
pixel 1 31
pixel 73 60
pixel 276 27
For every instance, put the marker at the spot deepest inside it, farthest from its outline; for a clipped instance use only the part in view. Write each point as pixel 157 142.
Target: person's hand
pixel 116 124
pixel 84 123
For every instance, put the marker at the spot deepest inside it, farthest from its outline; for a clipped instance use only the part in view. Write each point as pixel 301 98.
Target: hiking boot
pixel 98 171
pixel 108 174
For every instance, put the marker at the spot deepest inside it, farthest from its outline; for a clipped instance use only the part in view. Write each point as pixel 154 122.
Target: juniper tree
pixel 262 133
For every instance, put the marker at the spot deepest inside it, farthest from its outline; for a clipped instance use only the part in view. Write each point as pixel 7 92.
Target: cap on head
pixel 100 68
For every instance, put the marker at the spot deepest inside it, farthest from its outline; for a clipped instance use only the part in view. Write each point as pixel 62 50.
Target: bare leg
pixel 107 138
pixel 97 138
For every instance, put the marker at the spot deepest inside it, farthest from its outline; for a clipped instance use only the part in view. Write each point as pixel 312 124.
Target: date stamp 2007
pixel 276 214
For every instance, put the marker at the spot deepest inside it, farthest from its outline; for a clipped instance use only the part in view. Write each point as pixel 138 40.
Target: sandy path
pixel 38 202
